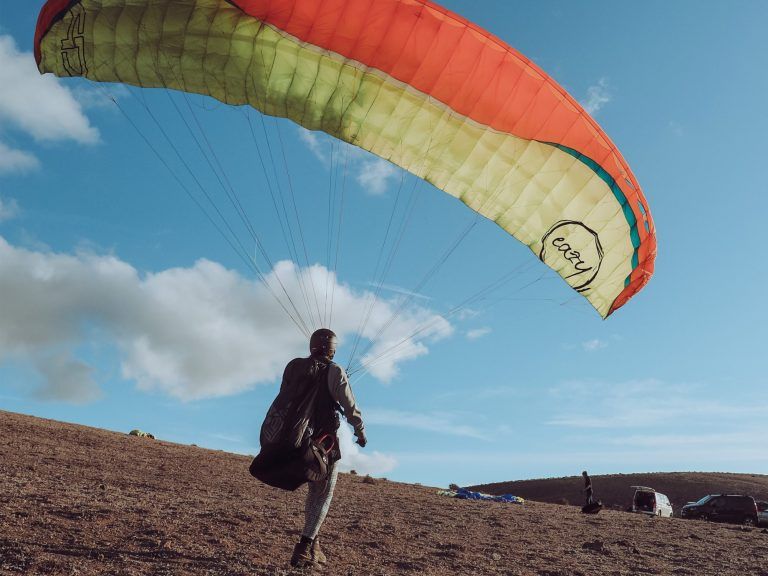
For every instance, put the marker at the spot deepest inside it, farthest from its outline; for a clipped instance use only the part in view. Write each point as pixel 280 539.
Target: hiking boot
pixel 317 554
pixel 302 555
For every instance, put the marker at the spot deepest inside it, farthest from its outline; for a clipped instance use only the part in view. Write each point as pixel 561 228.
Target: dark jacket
pixel 313 390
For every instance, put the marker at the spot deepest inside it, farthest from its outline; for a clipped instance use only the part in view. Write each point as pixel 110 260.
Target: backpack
pixel 291 453
pixel 290 469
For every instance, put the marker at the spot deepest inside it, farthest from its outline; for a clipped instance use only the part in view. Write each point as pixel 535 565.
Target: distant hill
pixel 615 490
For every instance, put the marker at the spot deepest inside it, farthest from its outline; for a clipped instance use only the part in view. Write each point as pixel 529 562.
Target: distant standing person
pixel 587 488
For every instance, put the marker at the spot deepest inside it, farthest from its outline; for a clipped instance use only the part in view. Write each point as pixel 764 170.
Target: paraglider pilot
pixel 337 393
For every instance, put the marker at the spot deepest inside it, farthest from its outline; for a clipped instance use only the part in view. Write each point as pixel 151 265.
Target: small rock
pixel 496 556
pixel 597 546
pixel 166 545
pixel 625 543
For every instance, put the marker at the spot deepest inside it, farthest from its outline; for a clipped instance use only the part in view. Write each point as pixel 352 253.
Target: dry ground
pixel 81 501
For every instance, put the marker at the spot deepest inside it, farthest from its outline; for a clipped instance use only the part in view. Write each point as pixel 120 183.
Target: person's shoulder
pixel 334 368
pixel 295 363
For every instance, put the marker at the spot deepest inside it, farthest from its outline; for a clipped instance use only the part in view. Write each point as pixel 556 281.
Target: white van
pixel 648 501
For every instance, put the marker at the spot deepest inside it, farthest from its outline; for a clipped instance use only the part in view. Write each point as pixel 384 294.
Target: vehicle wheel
pixel 749 521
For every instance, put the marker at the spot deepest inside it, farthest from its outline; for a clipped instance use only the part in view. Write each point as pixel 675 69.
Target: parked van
pixel 648 501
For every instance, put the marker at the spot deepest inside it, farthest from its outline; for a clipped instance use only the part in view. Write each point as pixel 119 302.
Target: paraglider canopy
pixel 406 80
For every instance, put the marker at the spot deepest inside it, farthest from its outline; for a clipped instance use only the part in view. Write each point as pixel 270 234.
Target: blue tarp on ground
pixel 465 494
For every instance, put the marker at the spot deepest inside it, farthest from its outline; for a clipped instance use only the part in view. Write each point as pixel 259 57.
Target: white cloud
pixel 374 175
pixel 314 143
pixel 371 172
pixel 38 105
pixel 641 404
pixel 676 128
pixel 594 344
pixel 398 290
pixel 8 208
pixel 362 461
pixel 476 333
pixel 404 340
pixel 706 441
pixel 467 314
pixel 191 333
pixel 228 438
pixel 100 97
pixel 65 379
pixel 440 423
pixel 13 160
pixel 493 393
pixel 598 95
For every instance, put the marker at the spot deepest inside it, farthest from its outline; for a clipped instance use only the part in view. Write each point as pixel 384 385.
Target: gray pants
pixel 318 502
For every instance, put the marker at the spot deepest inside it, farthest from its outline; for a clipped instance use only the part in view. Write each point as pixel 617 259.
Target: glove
pixel 361 439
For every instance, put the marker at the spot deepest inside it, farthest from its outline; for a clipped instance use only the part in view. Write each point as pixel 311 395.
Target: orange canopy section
pixel 470 70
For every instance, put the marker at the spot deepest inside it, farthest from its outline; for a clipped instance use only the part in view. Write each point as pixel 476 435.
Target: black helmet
pixel 323 343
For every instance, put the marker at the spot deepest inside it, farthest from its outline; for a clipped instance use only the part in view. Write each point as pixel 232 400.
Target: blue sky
pixel 122 307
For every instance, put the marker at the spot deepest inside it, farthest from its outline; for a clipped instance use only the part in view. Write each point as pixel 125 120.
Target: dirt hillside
pixel 81 501
pixel 615 490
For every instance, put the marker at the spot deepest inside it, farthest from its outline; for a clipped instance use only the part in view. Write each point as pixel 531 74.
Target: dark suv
pixel 762 513
pixel 723 508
